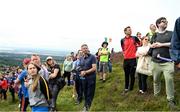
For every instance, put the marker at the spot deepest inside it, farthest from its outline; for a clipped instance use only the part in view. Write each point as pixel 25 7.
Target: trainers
pixel 141 91
pixel 172 105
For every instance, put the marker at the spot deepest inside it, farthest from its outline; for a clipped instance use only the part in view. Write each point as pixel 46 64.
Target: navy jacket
pixel 175 42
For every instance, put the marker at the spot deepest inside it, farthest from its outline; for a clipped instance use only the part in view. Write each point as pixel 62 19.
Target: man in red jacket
pixel 129 46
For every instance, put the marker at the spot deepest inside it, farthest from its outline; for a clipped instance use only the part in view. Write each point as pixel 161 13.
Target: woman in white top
pixel 142 54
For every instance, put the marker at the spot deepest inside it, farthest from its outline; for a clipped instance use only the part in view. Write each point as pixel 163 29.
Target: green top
pixel 104 57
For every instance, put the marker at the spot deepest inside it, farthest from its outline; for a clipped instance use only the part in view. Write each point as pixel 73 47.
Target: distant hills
pixel 14 57
pixel 34 51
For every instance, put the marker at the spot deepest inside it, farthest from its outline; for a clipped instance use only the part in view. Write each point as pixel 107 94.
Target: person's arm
pixel 53 75
pixel 175 44
pixel 20 77
pixel 91 70
pixel 85 72
pixel 158 44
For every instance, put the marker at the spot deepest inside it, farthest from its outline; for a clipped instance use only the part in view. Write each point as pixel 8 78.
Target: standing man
pixel 43 72
pixel 129 46
pixel 161 43
pixel 24 101
pixel 175 43
pixel 88 71
pixel 104 59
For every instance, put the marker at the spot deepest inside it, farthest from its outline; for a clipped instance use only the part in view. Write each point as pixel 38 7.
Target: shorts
pixel 103 67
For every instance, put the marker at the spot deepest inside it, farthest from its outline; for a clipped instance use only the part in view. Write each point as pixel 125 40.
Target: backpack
pixel 44 87
pixel 133 37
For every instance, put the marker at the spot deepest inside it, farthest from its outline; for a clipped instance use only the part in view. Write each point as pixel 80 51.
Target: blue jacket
pixel 175 42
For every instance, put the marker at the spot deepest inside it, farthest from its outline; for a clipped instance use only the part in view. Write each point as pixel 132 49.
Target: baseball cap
pixel 26 61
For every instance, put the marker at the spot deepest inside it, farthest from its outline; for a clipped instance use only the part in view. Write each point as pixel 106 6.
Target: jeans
pixel 142 82
pixel 89 85
pixel 79 87
pixel 54 88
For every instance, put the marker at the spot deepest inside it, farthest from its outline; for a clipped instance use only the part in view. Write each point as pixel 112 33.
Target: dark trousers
pixel 89 85
pixel 68 75
pixel 142 82
pixel 129 69
pixel 54 88
pixel 4 92
pixel 79 87
pixel 12 91
pixel 110 66
pixel 24 103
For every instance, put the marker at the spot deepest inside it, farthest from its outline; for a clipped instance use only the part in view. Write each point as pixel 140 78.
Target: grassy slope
pixel 108 96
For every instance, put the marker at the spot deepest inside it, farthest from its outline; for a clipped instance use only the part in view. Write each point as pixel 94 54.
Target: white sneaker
pixel 141 91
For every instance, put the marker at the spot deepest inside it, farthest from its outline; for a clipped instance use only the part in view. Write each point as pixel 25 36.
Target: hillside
pixel 108 96
pixel 15 59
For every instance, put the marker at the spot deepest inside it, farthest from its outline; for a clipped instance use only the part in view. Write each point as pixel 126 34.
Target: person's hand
pixel 153 45
pixel 83 73
pixel 158 44
pixel 178 65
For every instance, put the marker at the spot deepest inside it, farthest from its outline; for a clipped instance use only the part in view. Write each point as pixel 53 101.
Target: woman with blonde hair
pixel 67 68
pixel 143 66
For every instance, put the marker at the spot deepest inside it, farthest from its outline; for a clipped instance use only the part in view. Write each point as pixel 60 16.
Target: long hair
pixel 36 78
pixel 35 83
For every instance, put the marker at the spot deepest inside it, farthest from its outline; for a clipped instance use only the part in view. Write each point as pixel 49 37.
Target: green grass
pixel 108 96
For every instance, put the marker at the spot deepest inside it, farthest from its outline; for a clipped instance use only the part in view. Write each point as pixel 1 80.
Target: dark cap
pixel 104 43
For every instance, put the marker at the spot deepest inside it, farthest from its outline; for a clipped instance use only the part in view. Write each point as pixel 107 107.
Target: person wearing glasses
pixel 160 44
pixel 144 60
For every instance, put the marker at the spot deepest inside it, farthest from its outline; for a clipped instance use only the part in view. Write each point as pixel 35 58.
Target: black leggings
pixel 4 93
pixel 129 69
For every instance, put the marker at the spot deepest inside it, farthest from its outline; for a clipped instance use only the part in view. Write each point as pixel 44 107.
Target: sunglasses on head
pixel 164 21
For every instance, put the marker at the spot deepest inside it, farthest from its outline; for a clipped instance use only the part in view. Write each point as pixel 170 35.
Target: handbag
pixel 144 65
pixel 61 82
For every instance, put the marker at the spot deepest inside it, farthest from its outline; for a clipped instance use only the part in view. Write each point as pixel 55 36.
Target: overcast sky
pixel 66 24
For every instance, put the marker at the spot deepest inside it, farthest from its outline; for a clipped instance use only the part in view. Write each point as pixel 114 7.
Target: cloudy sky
pixel 66 24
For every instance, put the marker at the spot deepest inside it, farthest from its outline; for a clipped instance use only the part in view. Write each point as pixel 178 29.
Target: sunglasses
pixel 164 21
